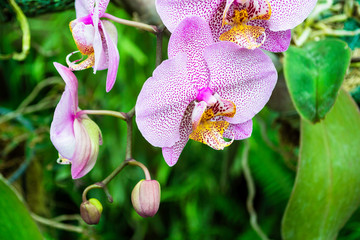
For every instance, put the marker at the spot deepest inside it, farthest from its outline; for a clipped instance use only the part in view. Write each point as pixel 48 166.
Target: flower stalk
pixel 143 26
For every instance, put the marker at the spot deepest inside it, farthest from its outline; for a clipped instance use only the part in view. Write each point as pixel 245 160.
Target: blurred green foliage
pixel 203 195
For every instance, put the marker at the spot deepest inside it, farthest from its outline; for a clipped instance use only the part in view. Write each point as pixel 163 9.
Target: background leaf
pixel 18 223
pixel 327 186
pixel 314 75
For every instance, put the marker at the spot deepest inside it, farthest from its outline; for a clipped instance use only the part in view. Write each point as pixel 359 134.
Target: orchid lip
pixel 86 63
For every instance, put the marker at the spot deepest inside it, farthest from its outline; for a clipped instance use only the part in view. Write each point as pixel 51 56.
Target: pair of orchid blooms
pixel 215 80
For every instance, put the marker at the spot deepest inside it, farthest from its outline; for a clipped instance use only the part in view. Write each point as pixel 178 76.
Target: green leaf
pixel 16 222
pixel 314 75
pixel 327 185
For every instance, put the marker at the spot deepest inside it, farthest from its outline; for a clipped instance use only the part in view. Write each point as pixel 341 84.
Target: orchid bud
pixel 90 211
pixel 145 197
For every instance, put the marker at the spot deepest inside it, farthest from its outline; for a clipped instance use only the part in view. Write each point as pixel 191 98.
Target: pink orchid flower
pixel 74 135
pixel 205 91
pixel 95 38
pixel 248 23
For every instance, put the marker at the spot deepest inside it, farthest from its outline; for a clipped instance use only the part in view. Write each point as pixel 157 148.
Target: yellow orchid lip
pixel 83 34
pixel 242 33
pixel 210 127
pixel 83 64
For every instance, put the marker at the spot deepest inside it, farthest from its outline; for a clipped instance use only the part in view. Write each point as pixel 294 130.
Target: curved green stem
pixel 159 38
pixel 114 173
pixel 128 117
pixel 142 166
pixel 251 194
pixel 56 224
pixel 143 26
pixel 120 115
pixel 24 25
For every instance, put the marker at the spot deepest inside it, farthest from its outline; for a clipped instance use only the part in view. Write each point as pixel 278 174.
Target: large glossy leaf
pixel 15 220
pixel 327 186
pixel 314 75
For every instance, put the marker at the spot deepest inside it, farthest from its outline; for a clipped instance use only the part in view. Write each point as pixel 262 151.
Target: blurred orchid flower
pixel 205 91
pixel 74 135
pixel 248 23
pixel 95 38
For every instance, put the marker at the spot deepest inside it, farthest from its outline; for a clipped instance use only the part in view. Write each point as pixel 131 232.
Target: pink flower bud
pixel 145 197
pixel 90 211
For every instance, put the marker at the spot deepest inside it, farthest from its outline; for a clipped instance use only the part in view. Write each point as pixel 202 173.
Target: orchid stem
pixel 143 26
pixel 114 173
pixel 24 25
pixel 128 117
pixel 57 224
pixel 142 166
pixel 159 38
pixel 120 115
pixel 251 194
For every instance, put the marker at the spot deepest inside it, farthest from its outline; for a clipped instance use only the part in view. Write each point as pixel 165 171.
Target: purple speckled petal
pixel 287 14
pixel 112 51
pixel 191 37
pixel 239 131
pixel 84 7
pixel 172 12
pixel 61 130
pixel 162 102
pixel 245 77
pixel 102 5
pixel 276 41
pixel 172 154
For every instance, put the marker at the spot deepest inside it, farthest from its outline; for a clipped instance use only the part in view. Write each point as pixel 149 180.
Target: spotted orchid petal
pixel 159 107
pixel 276 41
pixel 171 154
pixel 239 131
pixel 245 79
pixel 290 13
pixel 191 38
pixel 172 12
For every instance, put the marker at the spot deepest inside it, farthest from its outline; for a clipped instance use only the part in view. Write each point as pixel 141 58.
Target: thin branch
pixel 129 119
pixel 120 115
pixel 24 25
pixel 251 194
pixel 143 26
pixel 159 38
pixel 55 224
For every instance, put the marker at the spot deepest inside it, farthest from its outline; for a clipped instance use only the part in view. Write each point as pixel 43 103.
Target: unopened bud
pixel 91 211
pixel 145 197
